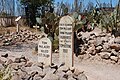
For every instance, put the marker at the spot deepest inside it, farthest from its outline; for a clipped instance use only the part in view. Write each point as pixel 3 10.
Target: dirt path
pixel 99 70
pixel 96 70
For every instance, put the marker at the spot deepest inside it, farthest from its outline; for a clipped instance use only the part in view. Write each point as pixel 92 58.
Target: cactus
pixel 78 21
pixel 52 22
pixel 39 20
pixel 75 15
pixel 42 29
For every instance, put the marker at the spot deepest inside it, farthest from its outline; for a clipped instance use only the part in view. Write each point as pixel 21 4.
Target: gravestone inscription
pixel 45 51
pixel 66 41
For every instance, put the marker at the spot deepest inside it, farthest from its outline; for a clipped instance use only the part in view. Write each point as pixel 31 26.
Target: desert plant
pixel 49 25
pixel 109 20
pixel 5 73
pixel 78 21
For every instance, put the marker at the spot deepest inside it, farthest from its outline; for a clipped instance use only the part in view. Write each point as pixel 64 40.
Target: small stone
pixel 111 40
pixel 87 56
pixel 119 56
pixel 5 40
pixel 42 74
pixel 82 77
pixel 15 77
pixel 31 69
pixel 75 77
pixel 9 61
pixel 96 31
pixel 9 39
pixel 71 78
pixel 61 78
pixel 98 41
pixel 14 66
pixel 92 37
pixel 72 69
pixel 29 64
pixel 102 35
pixel 63 68
pixel 77 72
pixel 1 36
pixel 98 49
pixel 7 44
pixel 33 73
pixel 91 50
pixel 85 35
pixel 23 60
pixel 22 57
pixel 46 68
pixel 1 62
pixel 50 70
pixel 114 58
pixel 104 39
pixel 114 52
pixel 60 74
pixel 51 76
pixel 117 40
pixel 108 35
pixel 80 51
pixel 17 60
pixel 1 67
pixel 105 46
pixel 54 66
pixel 65 76
pixel 115 46
pixel 37 77
pixel 105 55
pixel 92 42
pixel 39 64
pixel 69 73
pixel 22 74
pixel 4 55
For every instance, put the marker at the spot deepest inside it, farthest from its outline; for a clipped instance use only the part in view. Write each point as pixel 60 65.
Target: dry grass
pixel 3 30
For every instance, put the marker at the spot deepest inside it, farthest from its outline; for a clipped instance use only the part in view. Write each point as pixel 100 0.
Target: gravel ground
pixel 94 70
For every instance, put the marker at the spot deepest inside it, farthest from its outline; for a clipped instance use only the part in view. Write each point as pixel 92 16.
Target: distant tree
pixel 78 5
pixel 20 10
pixel 58 9
pixel 7 7
pixel 90 6
pixel 104 4
pixel 68 6
pixel 62 8
pixel 35 8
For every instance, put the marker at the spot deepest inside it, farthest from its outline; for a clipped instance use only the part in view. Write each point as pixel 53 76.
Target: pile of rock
pixel 22 36
pixel 100 43
pixel 24 69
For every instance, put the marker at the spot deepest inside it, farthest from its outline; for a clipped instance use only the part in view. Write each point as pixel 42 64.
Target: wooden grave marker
pixel 66 41
pixel 16 20
pixel 45 51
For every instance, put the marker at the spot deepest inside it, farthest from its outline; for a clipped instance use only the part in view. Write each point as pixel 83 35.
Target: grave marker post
pixel 16 20
pixel 36 27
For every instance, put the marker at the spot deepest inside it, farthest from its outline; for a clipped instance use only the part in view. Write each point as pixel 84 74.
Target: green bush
pixel 55 44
